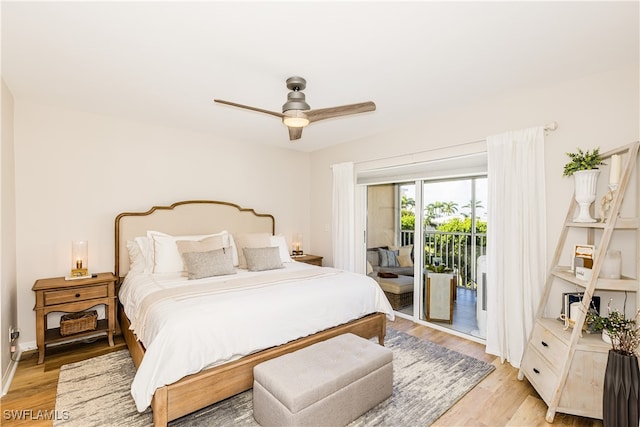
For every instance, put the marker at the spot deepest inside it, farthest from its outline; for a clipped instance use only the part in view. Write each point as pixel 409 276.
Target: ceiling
pixel 165 62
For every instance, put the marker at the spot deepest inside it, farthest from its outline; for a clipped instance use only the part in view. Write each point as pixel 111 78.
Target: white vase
pixel 585 192
pixel 615 342
pixel 612 265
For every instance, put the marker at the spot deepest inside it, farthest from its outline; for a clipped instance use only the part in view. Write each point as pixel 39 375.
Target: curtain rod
pixel 549 127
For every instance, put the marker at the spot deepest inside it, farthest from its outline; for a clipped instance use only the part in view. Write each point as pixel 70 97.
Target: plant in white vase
pixel 583 166
pixel 622 333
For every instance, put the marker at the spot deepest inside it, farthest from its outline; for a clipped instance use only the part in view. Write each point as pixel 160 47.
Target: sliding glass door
pixel 424 239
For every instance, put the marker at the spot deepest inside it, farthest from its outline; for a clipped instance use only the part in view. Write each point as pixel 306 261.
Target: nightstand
pixel 309 259
pixel 70 296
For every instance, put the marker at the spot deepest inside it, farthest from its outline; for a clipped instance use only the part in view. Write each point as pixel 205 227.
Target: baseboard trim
pixel 11 371
pixel 28 346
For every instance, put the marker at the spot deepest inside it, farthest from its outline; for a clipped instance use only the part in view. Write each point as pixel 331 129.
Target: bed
pixel 175 395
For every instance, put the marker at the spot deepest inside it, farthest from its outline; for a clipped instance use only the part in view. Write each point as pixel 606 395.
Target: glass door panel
pixel 390 236
pixel 454 236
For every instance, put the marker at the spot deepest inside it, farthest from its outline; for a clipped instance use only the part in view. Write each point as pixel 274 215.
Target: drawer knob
pixel 536 371
pixel 544 344
pixel 77 295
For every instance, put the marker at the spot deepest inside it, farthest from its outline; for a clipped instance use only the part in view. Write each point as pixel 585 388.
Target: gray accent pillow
pixel 388 258
pixel 260 259
pixel 373 257
pixel 218 262
pixel 250 240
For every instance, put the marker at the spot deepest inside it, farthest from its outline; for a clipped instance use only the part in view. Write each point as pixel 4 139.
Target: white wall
pixel 76 171
pixel 598 110
pixel 8 309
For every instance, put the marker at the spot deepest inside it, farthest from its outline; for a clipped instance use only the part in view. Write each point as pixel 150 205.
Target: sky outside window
pixel 457 191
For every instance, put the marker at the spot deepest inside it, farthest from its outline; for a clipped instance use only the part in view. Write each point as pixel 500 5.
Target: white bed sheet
pixel 183 336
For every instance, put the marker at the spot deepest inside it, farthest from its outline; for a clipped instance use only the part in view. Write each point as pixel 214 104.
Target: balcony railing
pixel 456 250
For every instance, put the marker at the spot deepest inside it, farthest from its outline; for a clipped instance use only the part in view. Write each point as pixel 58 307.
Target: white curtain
pixel 343 219
pixel 516 239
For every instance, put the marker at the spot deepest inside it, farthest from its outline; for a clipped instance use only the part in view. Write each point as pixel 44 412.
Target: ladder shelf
pixel 566 364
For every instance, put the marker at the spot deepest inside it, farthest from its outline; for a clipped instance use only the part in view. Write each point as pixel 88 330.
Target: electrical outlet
pixel 13 334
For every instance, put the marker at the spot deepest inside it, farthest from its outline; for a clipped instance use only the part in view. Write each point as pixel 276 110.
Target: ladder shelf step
pixel 628 284
pixel 589 341
pixel 621 224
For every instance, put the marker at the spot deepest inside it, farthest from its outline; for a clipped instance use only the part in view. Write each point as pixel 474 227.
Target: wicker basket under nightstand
pixel 74 323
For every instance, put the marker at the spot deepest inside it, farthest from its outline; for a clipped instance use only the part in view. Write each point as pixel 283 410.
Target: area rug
pixel 427 380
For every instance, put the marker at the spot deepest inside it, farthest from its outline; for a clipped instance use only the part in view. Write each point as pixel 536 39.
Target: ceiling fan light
pixel 295 119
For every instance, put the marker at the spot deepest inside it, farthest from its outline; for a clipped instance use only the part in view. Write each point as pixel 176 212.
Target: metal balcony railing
pixel 458 251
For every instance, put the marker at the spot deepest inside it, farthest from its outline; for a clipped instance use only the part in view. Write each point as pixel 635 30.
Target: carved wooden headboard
pixel 186 218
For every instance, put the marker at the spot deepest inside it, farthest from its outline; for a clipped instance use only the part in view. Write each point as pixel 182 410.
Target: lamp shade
pixel 297 244
pixel 79 258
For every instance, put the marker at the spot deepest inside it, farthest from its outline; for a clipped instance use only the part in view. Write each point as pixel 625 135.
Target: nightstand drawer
pixel 77 294
pixel 309 259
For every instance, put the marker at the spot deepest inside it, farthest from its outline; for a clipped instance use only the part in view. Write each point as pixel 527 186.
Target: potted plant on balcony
pixel 583 166
pixel 621 394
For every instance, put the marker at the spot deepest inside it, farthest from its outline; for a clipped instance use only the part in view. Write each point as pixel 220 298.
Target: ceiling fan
pixel 296 113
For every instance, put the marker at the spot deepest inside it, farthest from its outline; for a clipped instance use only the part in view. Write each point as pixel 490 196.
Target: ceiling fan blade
pixel 246 107
pixel 294 133
pixel 344 110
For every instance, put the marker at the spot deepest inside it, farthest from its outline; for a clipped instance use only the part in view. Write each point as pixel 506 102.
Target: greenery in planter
pixel 439 268
pixel 583 160
pixel 624 333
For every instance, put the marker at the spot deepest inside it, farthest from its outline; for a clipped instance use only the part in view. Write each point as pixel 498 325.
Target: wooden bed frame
pixel 211 385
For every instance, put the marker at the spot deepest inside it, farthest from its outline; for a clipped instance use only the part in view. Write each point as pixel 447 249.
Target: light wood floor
pixel 499 400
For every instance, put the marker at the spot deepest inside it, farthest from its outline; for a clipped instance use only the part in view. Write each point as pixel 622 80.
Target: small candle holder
pixel 79 259
pixel 297 245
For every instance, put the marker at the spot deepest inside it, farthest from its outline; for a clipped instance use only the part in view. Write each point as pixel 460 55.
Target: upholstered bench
pixel 399 290
pixel 330 383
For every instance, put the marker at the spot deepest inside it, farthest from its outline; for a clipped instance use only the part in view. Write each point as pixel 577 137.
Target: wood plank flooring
pixel 499 400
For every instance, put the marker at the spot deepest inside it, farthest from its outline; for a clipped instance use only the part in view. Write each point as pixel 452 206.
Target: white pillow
pixel 166 257
pixel 136 259
pixel 234 250
pixel 279 241
pixel 146 250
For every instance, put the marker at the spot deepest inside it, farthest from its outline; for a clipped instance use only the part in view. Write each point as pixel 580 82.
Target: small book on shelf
pixel 569 298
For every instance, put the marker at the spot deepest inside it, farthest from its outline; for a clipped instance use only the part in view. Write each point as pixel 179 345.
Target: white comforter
pixel 223 318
